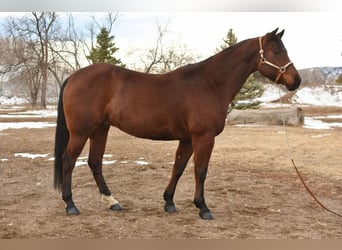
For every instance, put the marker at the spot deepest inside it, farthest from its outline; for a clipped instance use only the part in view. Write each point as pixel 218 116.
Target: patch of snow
pixel 141 163
pixel 38 113
pixel 30 156
pixel 13 101
pixel 3 160
pixel 275 105
pixel 315 124
pixel 249 125
pixel 329 117
pixel 271 93
pixel 108 162
pixel 20 125
pixel 80 163
pixel 320 96
pixel 320 136
pixel 311 123
pixel 83 160
pixel 31 113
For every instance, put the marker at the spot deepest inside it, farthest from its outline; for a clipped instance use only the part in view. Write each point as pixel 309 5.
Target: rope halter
pixel 263 60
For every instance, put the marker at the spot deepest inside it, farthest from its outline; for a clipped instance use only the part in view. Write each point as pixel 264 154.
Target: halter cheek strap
pixel 263 60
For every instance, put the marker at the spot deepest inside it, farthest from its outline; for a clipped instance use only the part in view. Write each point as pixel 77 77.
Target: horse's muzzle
pixel 295 84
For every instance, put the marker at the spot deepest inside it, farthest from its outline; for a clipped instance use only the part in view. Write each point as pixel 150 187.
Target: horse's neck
pixel 232 68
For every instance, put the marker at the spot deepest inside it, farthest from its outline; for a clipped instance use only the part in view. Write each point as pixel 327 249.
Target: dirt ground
pixel 252 188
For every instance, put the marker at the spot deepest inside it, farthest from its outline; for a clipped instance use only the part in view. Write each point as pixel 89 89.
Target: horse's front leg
pixel 203 146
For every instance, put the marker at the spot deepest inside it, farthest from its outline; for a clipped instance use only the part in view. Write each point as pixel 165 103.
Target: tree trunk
pixel 291 116
pixel 44 87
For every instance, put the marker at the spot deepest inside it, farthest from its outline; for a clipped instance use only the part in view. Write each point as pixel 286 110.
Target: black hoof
pixel 206 215
pixel 170 208
pixel 116 207
pixel 72 211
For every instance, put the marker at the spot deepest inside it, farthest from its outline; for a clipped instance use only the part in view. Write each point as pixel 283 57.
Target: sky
pixel 312 39
pixel 313 33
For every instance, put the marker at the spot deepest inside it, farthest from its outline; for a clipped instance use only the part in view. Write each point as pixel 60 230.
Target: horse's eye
pixel 276 52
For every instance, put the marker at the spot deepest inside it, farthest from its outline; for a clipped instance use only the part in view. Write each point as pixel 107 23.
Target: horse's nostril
pixel 298 81
pixel 295 85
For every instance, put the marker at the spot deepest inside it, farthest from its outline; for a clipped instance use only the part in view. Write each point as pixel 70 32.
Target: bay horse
pixel 188 104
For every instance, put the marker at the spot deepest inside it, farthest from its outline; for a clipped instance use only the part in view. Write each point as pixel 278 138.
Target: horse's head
pixel 274 62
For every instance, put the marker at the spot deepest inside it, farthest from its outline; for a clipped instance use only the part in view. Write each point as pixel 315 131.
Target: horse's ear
pixel 274 32
pixel 280 34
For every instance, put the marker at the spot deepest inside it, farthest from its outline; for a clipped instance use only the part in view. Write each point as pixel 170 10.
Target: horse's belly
pixel 152 128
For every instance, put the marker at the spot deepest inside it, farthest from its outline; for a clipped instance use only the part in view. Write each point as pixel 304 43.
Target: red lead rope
pixel 297 170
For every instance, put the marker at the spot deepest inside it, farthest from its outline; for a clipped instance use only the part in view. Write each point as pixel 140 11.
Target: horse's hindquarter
pixel 86 96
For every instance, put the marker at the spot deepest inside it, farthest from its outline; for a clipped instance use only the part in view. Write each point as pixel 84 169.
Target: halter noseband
pixel 263 60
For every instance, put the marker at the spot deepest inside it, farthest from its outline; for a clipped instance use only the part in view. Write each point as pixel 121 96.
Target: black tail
pixel 61 141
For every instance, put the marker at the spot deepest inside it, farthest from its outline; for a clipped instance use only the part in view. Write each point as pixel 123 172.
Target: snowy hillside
pixel 320 76
pixel 319 96
pixel 328 95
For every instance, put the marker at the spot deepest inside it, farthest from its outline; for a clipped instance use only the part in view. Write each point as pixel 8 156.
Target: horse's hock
pixel 291 116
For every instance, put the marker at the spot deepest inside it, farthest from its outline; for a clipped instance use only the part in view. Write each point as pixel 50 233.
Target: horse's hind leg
pixel 183 155
pixel 74 148
pixel 97 148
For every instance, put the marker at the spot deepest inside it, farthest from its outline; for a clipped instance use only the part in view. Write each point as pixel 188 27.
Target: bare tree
pixel 18 64
pixel 155 55
pixel 8 62
pixel 38 44
pixel 33 33
pixel 163 58
pixel 177 55
pixel 44 29
pixel 66 51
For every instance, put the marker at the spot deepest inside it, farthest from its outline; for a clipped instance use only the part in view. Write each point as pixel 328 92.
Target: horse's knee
pixel 202 174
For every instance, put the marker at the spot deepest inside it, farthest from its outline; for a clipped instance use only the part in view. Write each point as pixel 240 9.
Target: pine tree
pixel 104 50
pixel 251 88
pixel 230 40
